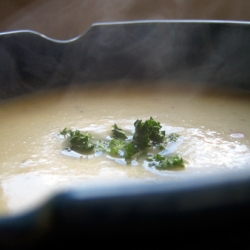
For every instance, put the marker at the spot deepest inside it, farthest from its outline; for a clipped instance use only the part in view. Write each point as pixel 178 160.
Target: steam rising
pixel 63 19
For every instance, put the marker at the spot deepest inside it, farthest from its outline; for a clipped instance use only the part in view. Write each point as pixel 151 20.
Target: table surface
pixel 65 19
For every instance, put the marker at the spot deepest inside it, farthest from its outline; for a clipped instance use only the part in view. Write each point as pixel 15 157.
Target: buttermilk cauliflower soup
pixel 211 126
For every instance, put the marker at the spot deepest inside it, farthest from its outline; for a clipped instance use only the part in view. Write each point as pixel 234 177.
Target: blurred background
pixel 65 19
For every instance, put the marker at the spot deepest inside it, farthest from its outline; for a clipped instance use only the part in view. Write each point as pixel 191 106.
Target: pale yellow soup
pixel 213 124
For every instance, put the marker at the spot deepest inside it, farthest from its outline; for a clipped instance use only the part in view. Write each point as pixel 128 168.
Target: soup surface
pixel 213 124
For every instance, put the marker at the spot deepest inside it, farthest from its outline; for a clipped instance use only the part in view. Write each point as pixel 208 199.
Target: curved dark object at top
pixel 213 212
pixel 180 50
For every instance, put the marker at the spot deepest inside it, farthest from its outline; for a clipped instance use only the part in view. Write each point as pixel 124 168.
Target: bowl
pixel 210 210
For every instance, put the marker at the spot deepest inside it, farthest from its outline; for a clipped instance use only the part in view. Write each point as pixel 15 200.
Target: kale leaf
pixel 118 133
pixel 79 141
pixel 162 163
pixel 147 134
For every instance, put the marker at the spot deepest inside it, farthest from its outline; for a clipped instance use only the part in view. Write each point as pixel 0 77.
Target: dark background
pixel 65 19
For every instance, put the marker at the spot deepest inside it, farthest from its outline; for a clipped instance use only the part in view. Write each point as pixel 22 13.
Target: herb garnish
pixel 162 162
pixel 118 132
pixel 79 141
pixel 147 135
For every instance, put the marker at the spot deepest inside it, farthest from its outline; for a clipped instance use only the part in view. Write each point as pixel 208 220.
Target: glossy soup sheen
pixel 213 124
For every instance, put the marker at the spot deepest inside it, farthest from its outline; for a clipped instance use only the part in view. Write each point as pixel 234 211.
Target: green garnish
pixel 118 133
pixel 172 137
pixel 163 163
pixel 79 141
pixel 130 151
pixel 117 146
pixel 102 146
pixel 147 135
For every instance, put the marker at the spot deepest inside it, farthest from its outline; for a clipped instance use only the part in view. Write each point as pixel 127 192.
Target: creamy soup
pixel 214 129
